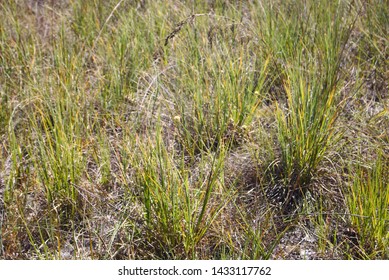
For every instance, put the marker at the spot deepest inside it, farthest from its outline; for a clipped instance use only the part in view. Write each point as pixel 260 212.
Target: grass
pixel 311 79
pixel 368 201
pixel 194 129
pixel 179 206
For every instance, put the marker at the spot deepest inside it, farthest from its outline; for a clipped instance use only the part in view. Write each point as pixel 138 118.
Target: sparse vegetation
pixel 199 129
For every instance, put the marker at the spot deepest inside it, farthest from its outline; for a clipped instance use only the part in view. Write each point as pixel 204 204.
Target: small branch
pixel 180 25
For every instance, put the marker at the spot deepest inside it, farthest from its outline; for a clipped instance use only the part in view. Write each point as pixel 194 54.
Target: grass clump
pixel 179 206
pixel 311 76
pixel 216 83
pixel 368 201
